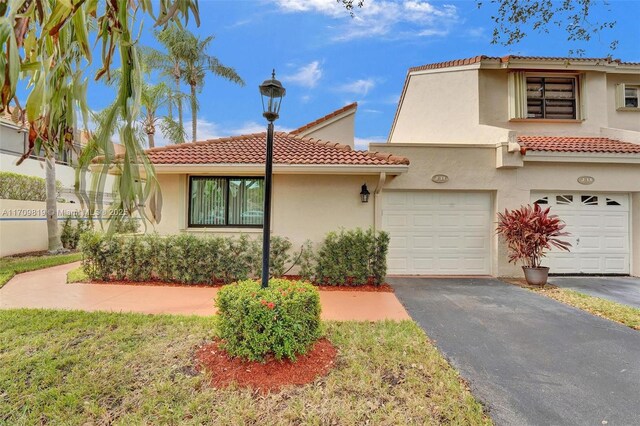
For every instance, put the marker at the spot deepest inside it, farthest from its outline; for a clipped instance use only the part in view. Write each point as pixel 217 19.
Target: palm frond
pixel 172 130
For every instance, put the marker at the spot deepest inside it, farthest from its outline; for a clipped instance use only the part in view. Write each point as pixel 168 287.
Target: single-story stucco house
pixel 470 138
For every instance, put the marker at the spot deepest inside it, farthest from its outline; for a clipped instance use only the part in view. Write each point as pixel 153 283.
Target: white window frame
pixel 518 96
pixel 621 103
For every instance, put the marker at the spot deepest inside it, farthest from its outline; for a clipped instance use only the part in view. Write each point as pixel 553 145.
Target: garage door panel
pixel 399 242
pixel 600 233
pixel 422 242
pixel 617 264
pixel 479 243
pixel 444 233
pixel 620 242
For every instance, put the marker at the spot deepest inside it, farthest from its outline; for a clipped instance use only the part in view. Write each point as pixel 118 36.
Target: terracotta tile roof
pixel 250 149
pixel 505 59
pixel 567 59
pixel 325 118
pixel 452 63
pixel 577 144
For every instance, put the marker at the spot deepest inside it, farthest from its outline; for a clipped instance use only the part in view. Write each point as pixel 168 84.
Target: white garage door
pixel 599 227
pixel 438 232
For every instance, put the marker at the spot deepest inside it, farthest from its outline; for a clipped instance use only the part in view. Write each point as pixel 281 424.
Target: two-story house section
pixel 487 134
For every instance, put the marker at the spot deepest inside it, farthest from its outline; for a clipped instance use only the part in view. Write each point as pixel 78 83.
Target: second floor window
pixel 540 96
pixel 551 98
pixel 631 96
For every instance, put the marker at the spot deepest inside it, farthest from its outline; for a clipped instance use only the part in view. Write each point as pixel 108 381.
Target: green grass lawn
pixel 10 266
pixel 613 311
pixel 62 367
pixel 618 312
pixel 77 275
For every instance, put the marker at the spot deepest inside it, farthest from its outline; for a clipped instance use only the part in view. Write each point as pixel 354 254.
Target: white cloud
pixel 363 143
pixel 306 76
pixel 477 32
pixel 394 19
pixel 358 87
pixel 248 128
pixel 206 130
pixel 327 7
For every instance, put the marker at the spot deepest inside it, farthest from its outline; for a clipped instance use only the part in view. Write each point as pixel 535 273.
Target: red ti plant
pixel 529 232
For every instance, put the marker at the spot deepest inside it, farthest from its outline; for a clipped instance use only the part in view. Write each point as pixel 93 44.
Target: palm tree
pixel 174 40
pixel 153 97
pixel 197 62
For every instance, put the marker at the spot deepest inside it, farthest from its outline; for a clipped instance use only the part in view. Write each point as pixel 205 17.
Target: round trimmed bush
pixel 282 320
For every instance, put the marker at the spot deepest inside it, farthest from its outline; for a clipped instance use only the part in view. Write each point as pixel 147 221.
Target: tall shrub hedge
pixel 181 258
pixel 352 257
pixel 347 257
pixel 14 186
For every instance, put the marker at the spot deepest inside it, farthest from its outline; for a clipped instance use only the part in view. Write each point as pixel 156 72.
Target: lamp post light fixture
pixel 364 194
pixel 272 93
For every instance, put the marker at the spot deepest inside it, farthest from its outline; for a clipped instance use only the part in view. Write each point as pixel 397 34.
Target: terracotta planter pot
pixel 536 276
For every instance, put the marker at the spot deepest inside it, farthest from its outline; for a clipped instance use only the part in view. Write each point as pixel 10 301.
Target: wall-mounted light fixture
pixel 364 194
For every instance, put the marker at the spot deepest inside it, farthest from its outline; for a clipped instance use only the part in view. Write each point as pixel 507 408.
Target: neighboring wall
pixel 305 207
pixel 439 107
pixel 341 130
pixel 23 225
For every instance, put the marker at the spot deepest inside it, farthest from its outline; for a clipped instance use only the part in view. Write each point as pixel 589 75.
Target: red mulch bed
pixel 382 288
pixel 268 376
pixel 150 283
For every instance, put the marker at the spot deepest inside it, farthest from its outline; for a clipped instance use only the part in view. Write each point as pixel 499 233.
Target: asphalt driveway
pixel 624 290
pixel 530 359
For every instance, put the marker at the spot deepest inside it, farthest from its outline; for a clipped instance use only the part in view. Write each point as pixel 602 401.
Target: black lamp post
pixel 272 93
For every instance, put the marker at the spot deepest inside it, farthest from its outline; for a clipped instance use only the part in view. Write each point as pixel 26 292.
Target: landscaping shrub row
pixel 182 258
pixel 14 186
pixel 353 257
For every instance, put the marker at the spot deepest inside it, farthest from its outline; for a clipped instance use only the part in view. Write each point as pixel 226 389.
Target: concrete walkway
pixel 530 359
pixel 47 289
pixel 625 290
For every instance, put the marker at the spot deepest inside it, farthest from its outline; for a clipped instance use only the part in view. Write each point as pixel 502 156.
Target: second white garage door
pixel 438 232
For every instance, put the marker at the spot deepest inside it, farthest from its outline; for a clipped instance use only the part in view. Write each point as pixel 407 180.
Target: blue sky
pixel 326 59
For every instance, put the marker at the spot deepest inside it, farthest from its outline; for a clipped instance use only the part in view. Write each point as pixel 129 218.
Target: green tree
pixel 514 18
pixel 197 63
pixel 46 42
pixel 170 62
pixel 153 97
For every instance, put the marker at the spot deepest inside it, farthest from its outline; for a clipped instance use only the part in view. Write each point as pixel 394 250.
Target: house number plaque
pixel 586 180
pixel 440 178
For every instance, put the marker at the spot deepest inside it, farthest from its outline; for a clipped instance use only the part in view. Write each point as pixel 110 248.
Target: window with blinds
pixel 226 201
pixel 551 98
pixel 627 97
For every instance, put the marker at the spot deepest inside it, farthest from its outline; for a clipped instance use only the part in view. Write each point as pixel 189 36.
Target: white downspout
pixel 377 212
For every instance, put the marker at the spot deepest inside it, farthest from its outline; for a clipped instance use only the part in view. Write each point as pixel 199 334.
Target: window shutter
pixel 517 95
pixel 619 95
pixel 581 113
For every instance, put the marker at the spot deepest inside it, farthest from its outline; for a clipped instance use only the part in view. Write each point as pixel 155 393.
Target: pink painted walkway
pixel 47 288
